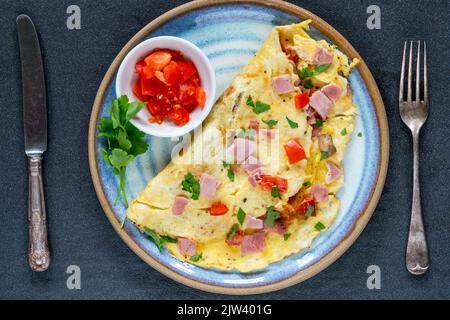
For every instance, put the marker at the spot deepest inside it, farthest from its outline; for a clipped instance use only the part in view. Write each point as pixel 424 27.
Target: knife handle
pixel 38 253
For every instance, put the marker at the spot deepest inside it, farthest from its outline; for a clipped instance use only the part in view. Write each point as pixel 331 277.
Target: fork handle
pixel 38 253
pixel 417 248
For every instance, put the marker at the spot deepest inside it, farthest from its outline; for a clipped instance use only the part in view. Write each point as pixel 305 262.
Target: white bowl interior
pixel 126 77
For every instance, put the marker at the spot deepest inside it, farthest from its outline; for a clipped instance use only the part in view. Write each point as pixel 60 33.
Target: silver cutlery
pixel 414 113
pixel 35 134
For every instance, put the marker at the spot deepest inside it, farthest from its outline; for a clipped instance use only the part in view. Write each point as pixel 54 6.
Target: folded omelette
pixel 259 182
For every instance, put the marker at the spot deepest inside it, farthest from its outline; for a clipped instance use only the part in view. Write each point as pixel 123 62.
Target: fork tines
pixel 410 72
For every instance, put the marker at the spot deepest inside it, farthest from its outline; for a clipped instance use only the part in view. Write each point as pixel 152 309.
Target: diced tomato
pixel 188 94
pixel 140 66
pixel 173 74
pixel 149 87
pixel 200 97
pixel 158 59
pixel 188 69
pixel 267 182
pixel 175 54
pixel 160 76
pixel 137 90
pixel 301 100
pixel 195 80
pixel 307 201
pixel 218 209
pixel 179 115
pixel 237 239
pixel 170 85
pixel 294 151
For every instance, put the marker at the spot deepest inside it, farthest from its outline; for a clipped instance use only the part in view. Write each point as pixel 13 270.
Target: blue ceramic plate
pixel 230 34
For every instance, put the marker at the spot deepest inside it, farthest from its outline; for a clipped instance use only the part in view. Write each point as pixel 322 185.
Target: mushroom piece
pixel 326 144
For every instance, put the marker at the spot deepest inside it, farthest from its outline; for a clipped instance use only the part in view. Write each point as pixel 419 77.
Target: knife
pixel 35 134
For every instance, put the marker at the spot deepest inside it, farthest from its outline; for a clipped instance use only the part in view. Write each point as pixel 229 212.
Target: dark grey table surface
pixel 80 234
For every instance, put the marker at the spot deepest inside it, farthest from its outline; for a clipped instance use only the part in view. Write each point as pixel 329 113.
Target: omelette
pixel 258 183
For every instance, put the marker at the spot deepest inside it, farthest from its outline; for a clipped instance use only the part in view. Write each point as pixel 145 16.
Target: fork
pixel 414 113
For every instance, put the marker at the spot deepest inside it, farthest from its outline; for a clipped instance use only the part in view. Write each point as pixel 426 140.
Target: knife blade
pixel 33 88
pixel 35 136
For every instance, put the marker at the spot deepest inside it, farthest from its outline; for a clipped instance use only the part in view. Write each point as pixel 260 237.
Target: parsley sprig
pixel 123 141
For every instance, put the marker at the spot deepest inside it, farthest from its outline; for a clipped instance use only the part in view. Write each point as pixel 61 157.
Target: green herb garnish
pixel 307 184
pixel 319 123
pixel 258 107
pixel 308 84
pixel 272 215
pixel 261 107
pixel 319 226
pixel 233 231
pixel 196 258
pixel 309 211
pixel 124 141
pixel 322 68
pixel 270 123
pixel 167 239
pixel 250 102
pixel 286 236
pixel 305 74
pixel 344 132
pixel 324 155
pixel 155 238
pixel 292 124
pixel 190 184
pixel 230 172
pixel 275 192
pixel 241 216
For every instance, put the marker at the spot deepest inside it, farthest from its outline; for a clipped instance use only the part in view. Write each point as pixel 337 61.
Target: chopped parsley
pixel 230 172
pixel 309 211
pixel 271 123
pixel 319 226
pixel 319 123
pixel 292 124
pixel 344 132
pixel 261 107
pixel 324 155
pixel 322 68
pixel 258 107
pixel 306 74
pixel 241 216
pixel 272 215
pixel 275 192
pixel 250 102
pixel 286 236
pixel 233 231
pixel 190 184
pixel 308 84
pixel 196 258
pixel 307 184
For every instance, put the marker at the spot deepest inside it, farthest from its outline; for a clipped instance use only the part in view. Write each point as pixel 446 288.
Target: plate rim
pixel 359 224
